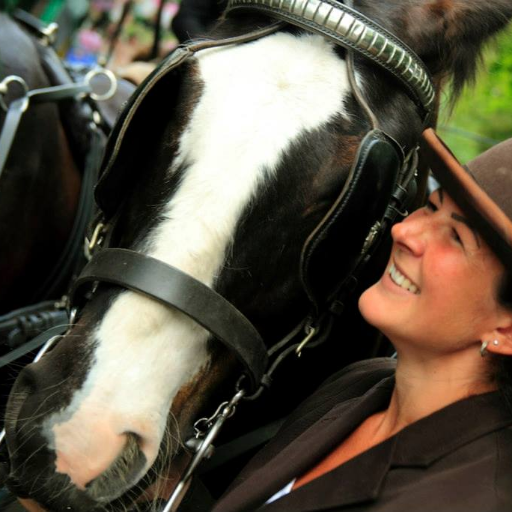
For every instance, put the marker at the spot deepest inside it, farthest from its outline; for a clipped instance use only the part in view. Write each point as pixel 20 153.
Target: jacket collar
pixel 305 449
pixel 361 478
pixel 431 438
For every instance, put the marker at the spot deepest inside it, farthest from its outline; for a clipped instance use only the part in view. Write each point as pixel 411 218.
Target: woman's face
pixel 438 292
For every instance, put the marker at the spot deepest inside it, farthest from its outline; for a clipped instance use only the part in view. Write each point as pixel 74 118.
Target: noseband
pixel 378 156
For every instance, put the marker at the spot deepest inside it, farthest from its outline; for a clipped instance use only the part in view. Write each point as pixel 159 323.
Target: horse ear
pixel 449 34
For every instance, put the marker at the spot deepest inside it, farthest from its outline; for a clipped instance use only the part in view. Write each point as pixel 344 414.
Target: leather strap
pixel 35 343
pixel 175 289
pixel 351 29
pixel 21 325
pixel 12 121
pixel 18 107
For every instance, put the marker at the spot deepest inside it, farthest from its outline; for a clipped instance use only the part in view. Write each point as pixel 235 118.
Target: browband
pixel 174 288
pixel 351 29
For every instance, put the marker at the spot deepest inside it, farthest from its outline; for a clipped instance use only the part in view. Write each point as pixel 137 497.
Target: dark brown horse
pixel 224 178
pixel 46 182
pixel 40 184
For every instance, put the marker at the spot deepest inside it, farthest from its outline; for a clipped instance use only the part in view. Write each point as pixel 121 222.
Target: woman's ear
pixel 500 340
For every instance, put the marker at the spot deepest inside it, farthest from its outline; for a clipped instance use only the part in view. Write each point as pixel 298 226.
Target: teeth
pixel 402 281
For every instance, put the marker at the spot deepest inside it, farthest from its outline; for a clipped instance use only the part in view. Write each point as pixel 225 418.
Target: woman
pixel 433 430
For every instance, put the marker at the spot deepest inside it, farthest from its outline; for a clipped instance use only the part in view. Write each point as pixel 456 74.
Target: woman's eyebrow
pixel 462 219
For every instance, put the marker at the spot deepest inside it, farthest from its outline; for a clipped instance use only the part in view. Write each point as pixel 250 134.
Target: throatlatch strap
pixel 175 289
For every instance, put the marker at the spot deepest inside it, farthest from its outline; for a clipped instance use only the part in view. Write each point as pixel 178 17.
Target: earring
pixel 483 348
pixel 495 343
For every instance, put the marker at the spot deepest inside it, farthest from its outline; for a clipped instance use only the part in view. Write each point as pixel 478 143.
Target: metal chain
pixel 204 448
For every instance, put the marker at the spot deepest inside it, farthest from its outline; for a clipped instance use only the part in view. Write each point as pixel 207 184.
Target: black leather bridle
pixel 378 155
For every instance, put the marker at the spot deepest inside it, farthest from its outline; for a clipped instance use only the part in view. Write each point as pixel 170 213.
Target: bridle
pixel 19 325
pixel 378 154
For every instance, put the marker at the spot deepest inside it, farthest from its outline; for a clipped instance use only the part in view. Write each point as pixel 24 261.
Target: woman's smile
pixel 438 290
pixel 401 280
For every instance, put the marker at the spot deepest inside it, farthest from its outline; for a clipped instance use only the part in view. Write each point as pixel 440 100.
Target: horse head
pixel 223 174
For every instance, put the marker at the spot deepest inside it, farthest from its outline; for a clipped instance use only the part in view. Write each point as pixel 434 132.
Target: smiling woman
pixel 433 429
pixel 439 291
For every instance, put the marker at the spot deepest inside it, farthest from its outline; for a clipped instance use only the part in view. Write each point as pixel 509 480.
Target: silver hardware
pixel 4 89
pixel 95 238
pixel 370 238
pixel 96 117
pixel 352 30
pixel 61 303
pixel 310 332
pixel 89 77
pixel 50 33
pixel 46 347
pixel 72 316
pixel 205 448
pixel 202 425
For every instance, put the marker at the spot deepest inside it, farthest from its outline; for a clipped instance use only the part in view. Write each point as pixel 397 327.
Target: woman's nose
pixel 410 234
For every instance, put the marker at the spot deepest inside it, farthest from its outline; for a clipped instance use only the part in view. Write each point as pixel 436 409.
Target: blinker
pixel 338 242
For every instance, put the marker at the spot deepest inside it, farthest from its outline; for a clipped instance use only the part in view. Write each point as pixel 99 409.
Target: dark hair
pixel 503 364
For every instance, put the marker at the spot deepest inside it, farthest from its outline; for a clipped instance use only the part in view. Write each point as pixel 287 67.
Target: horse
pixel 47 178
pixel 225 175
pixel 41 180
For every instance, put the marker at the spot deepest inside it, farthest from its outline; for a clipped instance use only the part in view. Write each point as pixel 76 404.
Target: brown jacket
pixel 458 459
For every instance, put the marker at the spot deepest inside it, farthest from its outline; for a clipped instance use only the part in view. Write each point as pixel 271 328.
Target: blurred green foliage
pixel 483 114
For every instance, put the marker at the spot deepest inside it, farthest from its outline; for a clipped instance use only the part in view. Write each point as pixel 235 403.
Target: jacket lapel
pixel 357 481
pixel 360 479
pixel 305 451
pixel 419 445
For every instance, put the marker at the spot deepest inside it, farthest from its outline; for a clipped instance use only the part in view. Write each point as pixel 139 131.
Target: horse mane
pixel 448 35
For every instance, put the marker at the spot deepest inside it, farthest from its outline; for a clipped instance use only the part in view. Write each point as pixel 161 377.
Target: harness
pixel 379 159
pixel 18 326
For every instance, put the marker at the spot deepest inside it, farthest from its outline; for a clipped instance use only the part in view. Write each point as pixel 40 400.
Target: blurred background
pixel 483 115
pixel 120 32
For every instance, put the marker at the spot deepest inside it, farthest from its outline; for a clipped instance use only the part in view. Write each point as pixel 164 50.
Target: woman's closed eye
pixel 456 237
pixel 431 206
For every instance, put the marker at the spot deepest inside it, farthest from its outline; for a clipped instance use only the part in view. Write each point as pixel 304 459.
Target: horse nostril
pixel 121 474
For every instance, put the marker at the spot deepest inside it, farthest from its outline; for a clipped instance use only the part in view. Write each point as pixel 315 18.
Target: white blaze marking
pixel 257 99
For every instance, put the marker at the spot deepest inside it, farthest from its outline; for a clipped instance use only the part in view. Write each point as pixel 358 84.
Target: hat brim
pixel 483 214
